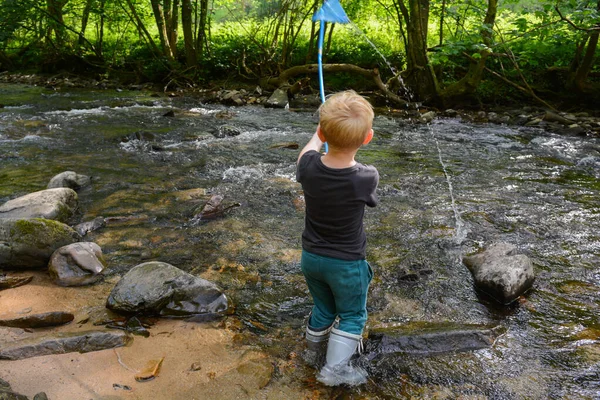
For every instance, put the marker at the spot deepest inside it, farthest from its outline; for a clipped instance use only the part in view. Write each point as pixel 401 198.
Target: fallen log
pixel 283 79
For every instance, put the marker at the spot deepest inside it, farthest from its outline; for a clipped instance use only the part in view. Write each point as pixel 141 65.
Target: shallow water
pixel 525 186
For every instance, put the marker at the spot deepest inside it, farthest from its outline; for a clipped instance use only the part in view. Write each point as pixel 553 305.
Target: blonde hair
pixel 346 119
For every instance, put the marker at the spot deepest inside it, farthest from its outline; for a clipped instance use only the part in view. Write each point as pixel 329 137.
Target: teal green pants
pixel 339 289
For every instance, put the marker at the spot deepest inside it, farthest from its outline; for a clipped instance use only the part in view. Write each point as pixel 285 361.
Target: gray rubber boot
pixel 338 370
pixel 316 344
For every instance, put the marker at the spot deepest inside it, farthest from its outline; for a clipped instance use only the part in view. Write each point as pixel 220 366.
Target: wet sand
pixel 201 360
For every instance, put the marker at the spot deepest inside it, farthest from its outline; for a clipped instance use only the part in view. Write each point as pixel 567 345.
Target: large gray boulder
pixel 501 273
pixel 77 264
pixel 29 243
pixel 158 288
pixel 69 179
pixel 58 204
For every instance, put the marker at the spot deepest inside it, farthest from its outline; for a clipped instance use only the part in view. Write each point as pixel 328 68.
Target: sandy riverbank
pixel 201 360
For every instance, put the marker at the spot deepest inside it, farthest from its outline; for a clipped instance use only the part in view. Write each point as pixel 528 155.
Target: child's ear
pixel 369 137
pixel 320 134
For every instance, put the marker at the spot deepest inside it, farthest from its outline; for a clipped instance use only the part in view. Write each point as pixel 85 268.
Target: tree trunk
pixel 313 36
pixel 202 34
pixel 56 22
pixel 100 43
pixel 420 76
pixel 84 21
pixel 586 64
pixel 469 83
pixel 442 14
pixel 171 22
pixel 582 66
pixel 142 28
pixel 159 17
pixel 328 45
pixel 188 32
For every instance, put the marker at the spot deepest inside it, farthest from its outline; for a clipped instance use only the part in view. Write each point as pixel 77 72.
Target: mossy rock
pixel 29 243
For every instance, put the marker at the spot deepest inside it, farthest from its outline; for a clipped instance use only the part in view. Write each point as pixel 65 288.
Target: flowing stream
pixel 525 186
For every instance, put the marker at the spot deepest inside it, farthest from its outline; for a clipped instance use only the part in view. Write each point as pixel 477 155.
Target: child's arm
pixel 314 143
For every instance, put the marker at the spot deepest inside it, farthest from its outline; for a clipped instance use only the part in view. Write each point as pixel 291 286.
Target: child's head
pixel 346 120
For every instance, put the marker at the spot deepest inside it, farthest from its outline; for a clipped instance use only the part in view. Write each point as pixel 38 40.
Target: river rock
pixel 10 395
pixel 234 97
pixel 492 117
pixel 213 208
pixel 450 113
pixel 142 136
pixel 39 320
pixel 226 131
pixel 158 288
pixel 279 99
pixel 29 243
pixel 89 226
pixel 77 264
pixel 428 117
pixel 430 338
pixel 9 282
pixel 69 179
pixel 566 120
pixel 305 102
pixel 65 342
pixel 500 272
pixel 6 392
pixel 58 204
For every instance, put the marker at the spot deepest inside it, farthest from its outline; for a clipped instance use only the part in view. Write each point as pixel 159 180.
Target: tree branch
pixel 528 90
pixel 563 18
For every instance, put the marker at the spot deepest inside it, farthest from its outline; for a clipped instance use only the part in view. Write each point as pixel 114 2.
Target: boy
pixel 336 190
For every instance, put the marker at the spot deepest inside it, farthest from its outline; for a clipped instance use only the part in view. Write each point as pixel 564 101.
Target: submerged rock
pixel 69 179
pixel 57 204
pixel 61 343
pixel 77 264
pixel 431 338
pixel 212 209
pixel 39 320
pixel 158 288
pixel 142 136
pixel 500 272
pixel 29 243
pixel 89 226
pixel 285 145
pixel 226 131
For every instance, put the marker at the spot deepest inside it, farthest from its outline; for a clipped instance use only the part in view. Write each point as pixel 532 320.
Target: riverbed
pixel 446 189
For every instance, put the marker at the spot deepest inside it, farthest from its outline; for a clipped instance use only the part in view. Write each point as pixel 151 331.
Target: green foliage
pixel 14 16
pixel 357 50
pixel 252 38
